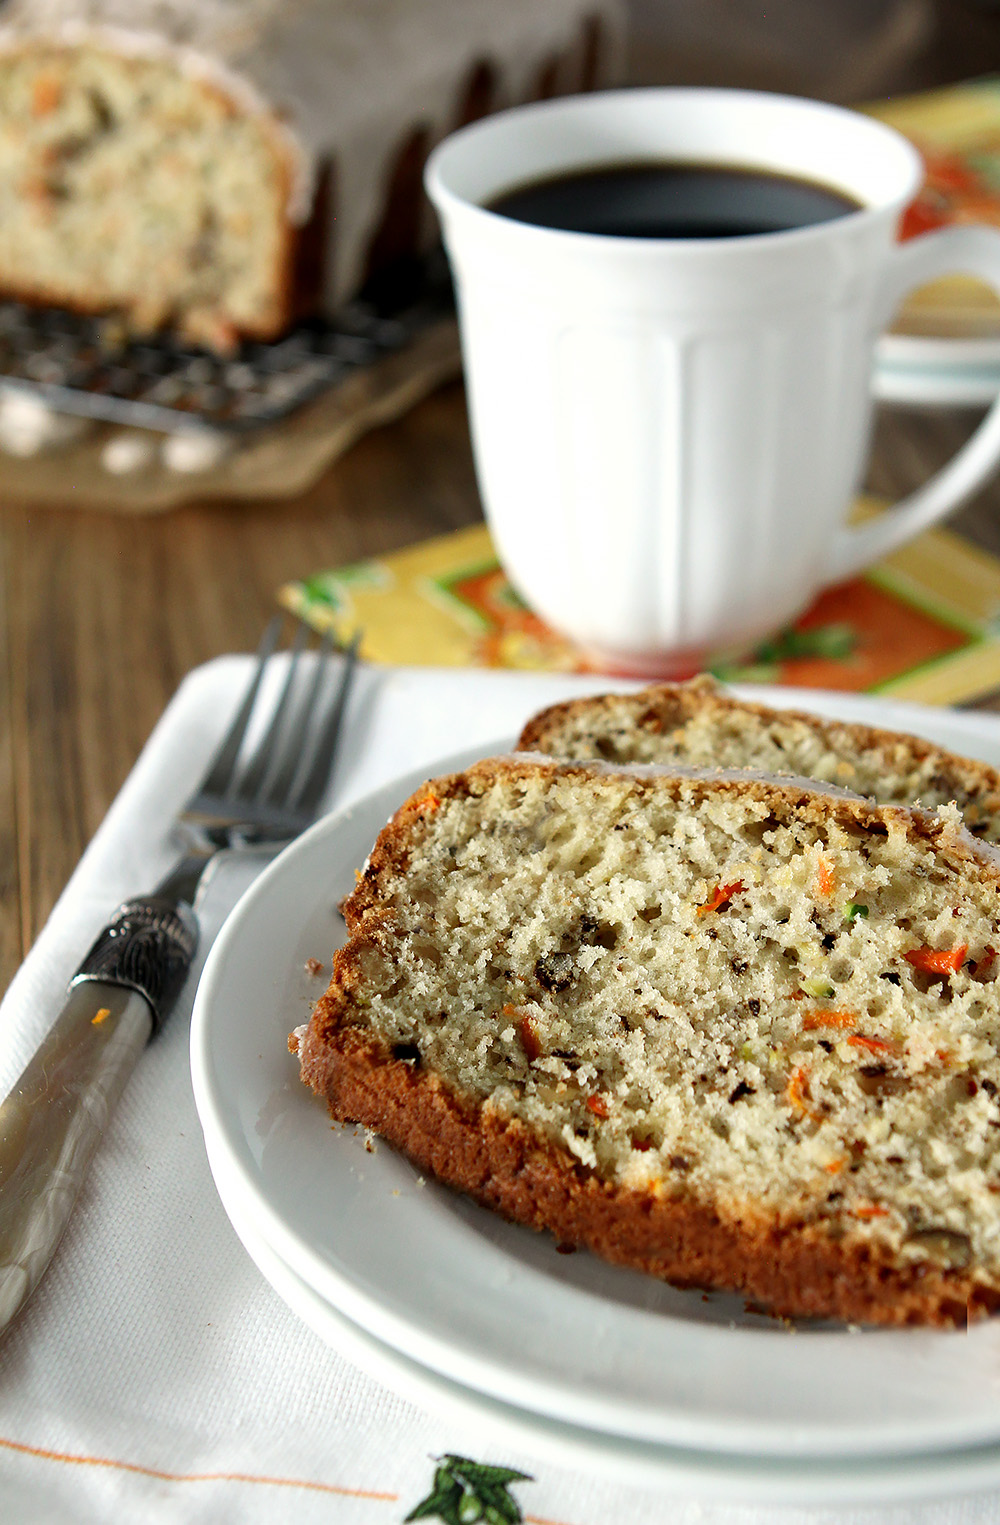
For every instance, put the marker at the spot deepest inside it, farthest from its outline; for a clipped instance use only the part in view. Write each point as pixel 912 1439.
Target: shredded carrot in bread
pixel 598 1104
pixel 46 94
pixel 721 895
pixel 938 961
pixel 797 1092
pixel 814 1019
pixel 526 1029
pixel 825 878
pixel 873 1045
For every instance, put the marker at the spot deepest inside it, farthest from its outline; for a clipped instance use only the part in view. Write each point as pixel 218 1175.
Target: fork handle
pixel 53 1119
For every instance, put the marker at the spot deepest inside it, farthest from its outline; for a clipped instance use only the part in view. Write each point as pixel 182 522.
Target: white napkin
pixel 155 1375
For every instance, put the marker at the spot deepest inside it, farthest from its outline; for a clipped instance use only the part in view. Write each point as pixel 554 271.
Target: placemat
pixel 923 625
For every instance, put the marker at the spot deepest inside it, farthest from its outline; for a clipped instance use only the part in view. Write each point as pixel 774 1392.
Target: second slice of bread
pixel 698 724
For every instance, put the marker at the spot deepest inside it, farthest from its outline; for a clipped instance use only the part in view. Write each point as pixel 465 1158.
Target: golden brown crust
pixel 797 1266
pixel 795 1269
pixel 665 707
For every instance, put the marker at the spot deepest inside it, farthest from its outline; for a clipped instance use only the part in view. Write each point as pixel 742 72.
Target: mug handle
pixel 973 251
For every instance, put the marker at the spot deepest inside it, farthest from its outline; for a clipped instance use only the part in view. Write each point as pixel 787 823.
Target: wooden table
pixel 102 615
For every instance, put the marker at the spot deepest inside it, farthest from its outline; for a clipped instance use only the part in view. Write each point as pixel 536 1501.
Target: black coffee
pixel 651 200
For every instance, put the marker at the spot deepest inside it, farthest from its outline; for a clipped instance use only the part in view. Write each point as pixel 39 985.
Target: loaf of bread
pixel 734 1031
pixel 697 724
pixel 226 165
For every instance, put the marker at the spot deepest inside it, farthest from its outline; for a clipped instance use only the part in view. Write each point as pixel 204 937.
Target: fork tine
pixel 251 783
pixel 220 775
pixel 289 764
pixel 319 768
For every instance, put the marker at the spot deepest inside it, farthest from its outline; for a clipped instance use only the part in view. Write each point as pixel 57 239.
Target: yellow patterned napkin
pixel 923 625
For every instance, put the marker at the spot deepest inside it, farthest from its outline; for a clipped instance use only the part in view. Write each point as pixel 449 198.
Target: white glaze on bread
pixel 342 83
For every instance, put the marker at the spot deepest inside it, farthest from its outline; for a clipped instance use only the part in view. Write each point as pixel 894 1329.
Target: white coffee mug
pixel 668 433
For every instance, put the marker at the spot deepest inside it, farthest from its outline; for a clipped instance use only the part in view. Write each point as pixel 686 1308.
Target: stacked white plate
pixel 578 1362
pixel 915 371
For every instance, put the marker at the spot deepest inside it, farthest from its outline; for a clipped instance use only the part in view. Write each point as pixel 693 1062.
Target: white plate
pixel 492 1306
pixel 745 1480
pixel 948 372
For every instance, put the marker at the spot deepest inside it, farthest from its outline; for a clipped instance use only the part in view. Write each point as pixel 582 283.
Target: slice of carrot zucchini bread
pixel 698 724
pixel 732 1030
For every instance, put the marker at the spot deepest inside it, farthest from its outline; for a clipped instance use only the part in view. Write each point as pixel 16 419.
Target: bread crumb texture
pixel 742 1032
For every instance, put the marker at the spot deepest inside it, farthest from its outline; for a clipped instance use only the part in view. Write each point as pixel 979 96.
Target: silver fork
pixel 266 800
pixel 52 1121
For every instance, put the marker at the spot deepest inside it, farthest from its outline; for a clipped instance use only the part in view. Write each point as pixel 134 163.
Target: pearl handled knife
pixel 53 1119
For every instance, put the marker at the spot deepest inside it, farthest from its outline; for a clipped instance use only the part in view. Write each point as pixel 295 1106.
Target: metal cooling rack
pixel 77 365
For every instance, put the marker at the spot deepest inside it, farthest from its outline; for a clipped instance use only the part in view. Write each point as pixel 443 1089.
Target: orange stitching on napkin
pixel 194 1477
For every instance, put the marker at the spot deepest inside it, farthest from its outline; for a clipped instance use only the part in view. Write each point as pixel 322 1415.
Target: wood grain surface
pixel 101 615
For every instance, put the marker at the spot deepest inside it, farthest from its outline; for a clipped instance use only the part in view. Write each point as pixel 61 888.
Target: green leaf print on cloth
pixel 465 1491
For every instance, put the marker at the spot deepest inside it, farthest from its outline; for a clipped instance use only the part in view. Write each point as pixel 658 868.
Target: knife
pixel 53 1119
